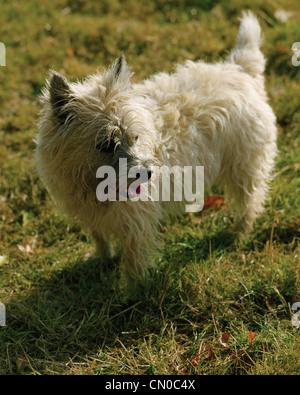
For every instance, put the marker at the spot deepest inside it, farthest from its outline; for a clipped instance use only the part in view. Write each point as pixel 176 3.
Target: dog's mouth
pixel 123 189
pixel 134 189
pixel 133 192
pixel 130 192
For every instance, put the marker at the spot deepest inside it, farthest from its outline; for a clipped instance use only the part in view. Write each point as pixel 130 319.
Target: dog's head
pixel 84 126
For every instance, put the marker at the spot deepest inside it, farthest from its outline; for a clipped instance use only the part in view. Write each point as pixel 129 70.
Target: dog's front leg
pixel 102 248
pixel 139 251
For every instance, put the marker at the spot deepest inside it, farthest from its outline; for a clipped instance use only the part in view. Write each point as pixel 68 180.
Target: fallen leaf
pixel 214 201
pixel 195 360
pixel 282 49
pixel 224 339
pixel 22 363
pixel 211 354
pixel 251 337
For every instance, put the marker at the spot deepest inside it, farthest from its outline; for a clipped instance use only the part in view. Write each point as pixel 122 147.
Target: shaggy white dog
pixel 211 115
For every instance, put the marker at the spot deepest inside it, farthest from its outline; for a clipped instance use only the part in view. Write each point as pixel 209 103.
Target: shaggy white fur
pixel 211 115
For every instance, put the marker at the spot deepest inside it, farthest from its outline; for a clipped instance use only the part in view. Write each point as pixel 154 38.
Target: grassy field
pixel 66 315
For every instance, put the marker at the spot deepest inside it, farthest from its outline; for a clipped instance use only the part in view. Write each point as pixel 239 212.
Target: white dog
pixel 211 115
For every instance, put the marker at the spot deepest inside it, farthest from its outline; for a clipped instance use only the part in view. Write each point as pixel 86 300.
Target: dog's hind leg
pixel 246 193
pixel 248 205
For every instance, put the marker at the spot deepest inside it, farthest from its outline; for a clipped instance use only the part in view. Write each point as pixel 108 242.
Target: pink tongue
pixel 133 193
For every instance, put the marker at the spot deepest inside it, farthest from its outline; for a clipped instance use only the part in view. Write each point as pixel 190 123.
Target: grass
pixel 66 315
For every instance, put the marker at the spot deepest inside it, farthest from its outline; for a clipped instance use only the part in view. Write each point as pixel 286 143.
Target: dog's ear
pixel 120 66
pixel 118 75
pixel 60 95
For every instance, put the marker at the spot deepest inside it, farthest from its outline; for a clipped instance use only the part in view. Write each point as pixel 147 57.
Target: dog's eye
pixel 108 146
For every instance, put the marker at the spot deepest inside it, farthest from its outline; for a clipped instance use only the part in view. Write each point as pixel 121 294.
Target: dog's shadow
pixel 80 309
pixel 75 309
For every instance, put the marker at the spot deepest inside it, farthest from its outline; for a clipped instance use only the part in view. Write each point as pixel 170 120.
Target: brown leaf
pixel 251 337
pixel 195 360
pixel 22 363
pixel 211 354
pixel 282 49
pixel 214 201
pixel 224 339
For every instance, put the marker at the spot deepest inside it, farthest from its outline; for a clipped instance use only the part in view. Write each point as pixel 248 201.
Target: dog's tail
pixel 247 51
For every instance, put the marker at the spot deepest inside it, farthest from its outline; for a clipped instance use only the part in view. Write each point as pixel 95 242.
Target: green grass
pixel 66 315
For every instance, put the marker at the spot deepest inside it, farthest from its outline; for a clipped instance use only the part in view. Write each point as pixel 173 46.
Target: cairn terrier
pixel 211 115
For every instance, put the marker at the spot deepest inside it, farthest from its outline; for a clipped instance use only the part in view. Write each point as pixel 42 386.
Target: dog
pixel 211 115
